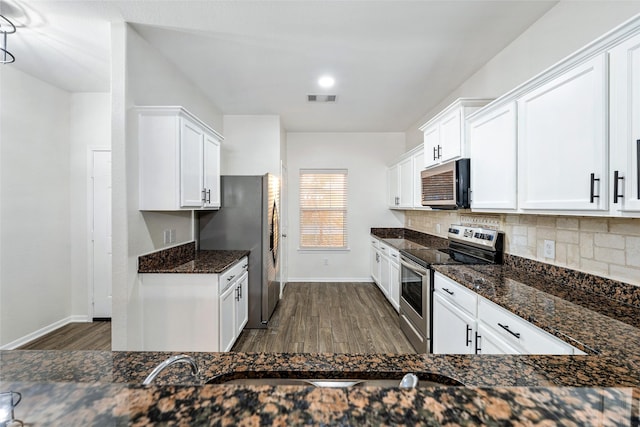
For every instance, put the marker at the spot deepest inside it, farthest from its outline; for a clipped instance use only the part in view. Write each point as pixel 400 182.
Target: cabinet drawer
pixel 518 332
pixel 394 255
pixel 384 249
pixel 233 273
pixel 375 242
pixel 456 293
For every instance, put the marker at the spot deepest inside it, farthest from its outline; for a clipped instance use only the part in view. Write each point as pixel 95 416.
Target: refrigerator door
pixel 272 255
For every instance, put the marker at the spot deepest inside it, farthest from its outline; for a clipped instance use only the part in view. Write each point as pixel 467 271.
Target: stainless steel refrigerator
pixel 248 219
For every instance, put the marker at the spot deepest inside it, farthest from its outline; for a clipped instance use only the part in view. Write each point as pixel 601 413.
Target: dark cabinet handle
pixel 204 195
pixel 616 194
pixel 468 336
pixel 593 185
pixel 434 153
pixel 506 328
pixel 439 151
pixel 230 278
pixel 237 295
pixel 209 196
pixel 447 291
pixel 478 349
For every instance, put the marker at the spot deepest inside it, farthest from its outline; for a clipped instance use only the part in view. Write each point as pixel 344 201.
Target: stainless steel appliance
pixel 447 186
pixel 467 245
pixel 249 220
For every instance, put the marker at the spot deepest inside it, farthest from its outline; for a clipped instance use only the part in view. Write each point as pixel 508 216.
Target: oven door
pixel 414 303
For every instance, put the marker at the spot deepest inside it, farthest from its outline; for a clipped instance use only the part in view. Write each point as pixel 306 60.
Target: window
pixel 323 209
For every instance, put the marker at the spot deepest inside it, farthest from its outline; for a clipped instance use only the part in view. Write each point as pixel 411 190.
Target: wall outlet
pixel 172 236
pixel 438 228
pixel 166 236
pixel 550 249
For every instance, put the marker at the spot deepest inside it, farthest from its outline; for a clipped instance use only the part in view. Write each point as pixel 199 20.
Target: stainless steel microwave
pixel 447 186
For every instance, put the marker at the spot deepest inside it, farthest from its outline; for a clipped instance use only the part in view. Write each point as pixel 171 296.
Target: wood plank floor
pixel 75 336
pixel 329 318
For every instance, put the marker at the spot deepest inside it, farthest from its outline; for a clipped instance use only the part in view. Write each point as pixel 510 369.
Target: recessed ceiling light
pixel 326 81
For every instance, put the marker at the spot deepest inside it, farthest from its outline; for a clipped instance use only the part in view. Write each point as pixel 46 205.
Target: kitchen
pixel 136 233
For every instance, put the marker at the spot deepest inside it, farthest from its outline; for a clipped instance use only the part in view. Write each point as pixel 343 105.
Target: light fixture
pixel 326 81
pixel 6 27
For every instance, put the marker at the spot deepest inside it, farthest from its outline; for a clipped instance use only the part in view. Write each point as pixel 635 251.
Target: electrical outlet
pixel 438 228
pixel 550 249
pixel 172 236
pixel 166 236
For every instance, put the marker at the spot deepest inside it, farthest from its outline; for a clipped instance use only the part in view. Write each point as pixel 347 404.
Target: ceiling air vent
pixel 321 98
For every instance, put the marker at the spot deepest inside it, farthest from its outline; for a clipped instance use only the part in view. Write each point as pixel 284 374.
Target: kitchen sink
pixel 353 380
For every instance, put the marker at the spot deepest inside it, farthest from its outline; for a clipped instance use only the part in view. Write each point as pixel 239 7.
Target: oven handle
pixel 413 267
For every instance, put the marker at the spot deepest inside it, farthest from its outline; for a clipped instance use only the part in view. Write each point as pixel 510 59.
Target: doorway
pixel 100 234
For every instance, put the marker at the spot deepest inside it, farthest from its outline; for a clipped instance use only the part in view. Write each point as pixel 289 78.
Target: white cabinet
pixel 400 182
pixel 454 317
pixel 394 279
pixel 489 343
pixel 233 290
pixel 375 261
pixel 179 160
pixel 445 135
pixel 562 141
pixel 193 312
pixel 492 144
pixel 453 329
pixel 418 166
pixel 385 270
pixel 624 123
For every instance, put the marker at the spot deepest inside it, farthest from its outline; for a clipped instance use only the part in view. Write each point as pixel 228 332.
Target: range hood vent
pixel 321 98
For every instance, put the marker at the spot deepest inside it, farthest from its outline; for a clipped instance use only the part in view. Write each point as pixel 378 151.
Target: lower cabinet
pixel 466 323
pixel 385 270
pixel 375 261
pixel 394 282
pixel 193 312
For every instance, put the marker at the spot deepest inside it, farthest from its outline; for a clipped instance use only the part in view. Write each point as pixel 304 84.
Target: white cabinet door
pixel 375 264
pixel 405 173
pixel 450 136
pixel 228 318
pixel 492 143
pixel 418 165
pixel 191 170
pixel 211 167
pixel 432 146
pixel 453 330
pixel 394 285
pixel 393 180
pixel 562 141
pixel 385 275
pixel 489 343
pixel 625 127
pixel 242 307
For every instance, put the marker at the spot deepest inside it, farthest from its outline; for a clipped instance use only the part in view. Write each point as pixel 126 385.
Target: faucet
pixel 180 358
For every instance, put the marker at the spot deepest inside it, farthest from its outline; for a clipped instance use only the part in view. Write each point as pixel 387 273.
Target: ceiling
pixel 392 60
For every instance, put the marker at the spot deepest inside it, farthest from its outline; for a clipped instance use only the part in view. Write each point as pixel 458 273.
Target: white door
pixel 453 330
pixel 450 136
pixel 562 141
pixel 432 145
pixel 101 234
pixel 489 343
pixel 405 174
pixel 418 165
pixel 228 318
pixel 211 166
pixel 242 306
pixel 393 182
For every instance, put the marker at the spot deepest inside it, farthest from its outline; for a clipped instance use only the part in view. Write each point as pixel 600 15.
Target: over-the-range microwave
pixel 447 186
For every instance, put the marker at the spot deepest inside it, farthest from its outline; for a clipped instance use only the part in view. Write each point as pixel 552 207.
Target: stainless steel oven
pixel 415 303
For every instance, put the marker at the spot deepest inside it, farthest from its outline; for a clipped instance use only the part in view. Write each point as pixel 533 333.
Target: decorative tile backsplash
pixel 608 247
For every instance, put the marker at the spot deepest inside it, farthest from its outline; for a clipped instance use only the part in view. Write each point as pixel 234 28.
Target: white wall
pixel 251 145
pixel 366 156
pixel 141 76
pixel 564 29
pixel 90 127
pixel 35 277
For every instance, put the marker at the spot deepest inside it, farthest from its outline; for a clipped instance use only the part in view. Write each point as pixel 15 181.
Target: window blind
pixel 323 209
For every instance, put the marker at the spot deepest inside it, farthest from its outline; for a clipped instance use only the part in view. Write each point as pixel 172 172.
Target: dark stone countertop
pixel 203 262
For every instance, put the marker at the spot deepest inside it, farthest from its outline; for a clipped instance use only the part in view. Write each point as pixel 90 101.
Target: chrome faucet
pixel 180 358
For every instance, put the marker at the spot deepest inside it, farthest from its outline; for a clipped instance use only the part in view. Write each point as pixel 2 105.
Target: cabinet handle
pixel 377 257
pixel 478 349
pixel 240 291
pixel 434 153
pixel 447 291
pixel 237 295
pixel 593 185
pixel 245 266
pixel 616 178
pixel 209 196
pixel 468 337
pixel 204 195
pixel 439 151
pixel 394 255
pixel 230 278
pixel 506 328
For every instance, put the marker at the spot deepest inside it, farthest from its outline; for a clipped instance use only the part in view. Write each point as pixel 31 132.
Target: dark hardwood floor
pixel 329 318
pixel 75 336
pixel 310 318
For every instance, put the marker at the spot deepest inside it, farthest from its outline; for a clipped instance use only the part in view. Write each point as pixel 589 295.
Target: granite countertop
pixel 602 387
pixel 186 259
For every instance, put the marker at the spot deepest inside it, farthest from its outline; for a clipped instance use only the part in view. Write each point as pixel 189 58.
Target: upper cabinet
pixel 445 136
pixel 179 161
pixel 492 135
pixel 624 127
pixel 403 180
pixel 562 141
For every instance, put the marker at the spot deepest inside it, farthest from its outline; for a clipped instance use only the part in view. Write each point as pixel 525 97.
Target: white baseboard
pixel 331 279
pixel 43 331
